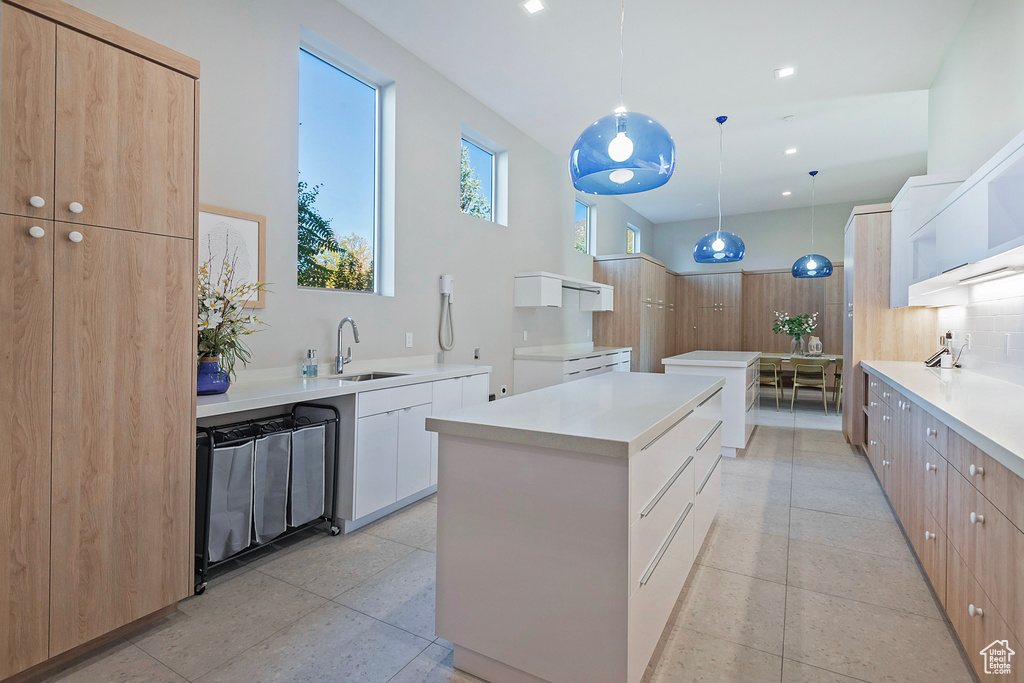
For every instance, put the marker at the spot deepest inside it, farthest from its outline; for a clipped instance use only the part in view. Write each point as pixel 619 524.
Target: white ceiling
pixel 860 94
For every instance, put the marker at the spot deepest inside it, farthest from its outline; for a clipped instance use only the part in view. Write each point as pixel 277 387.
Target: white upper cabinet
pixel 545 289
pixel 911 209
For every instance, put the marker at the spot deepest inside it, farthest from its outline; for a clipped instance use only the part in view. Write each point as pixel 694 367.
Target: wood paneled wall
pixel 765 292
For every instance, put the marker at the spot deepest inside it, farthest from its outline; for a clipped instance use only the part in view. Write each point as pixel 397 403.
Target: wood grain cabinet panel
pixel 124 139
pixel 27 55
pixel 26 273
pixel 999 485
pixel 931 549
pixel 124 342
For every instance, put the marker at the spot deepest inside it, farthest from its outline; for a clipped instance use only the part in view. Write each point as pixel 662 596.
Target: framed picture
pixel 238 237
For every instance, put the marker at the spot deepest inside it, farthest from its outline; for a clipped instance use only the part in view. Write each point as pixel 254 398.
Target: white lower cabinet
pixel 447 396
pixel 475 389
pixel 414 451
pixel 376 471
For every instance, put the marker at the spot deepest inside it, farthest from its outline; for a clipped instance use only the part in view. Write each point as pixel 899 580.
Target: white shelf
pixel 543 289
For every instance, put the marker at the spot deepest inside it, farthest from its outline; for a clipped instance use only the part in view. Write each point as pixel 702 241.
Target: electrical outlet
pixel 1006 344
pixel 504 389
pixel 524 335
pixel 408 340
pixel 967 340
pixel 588 333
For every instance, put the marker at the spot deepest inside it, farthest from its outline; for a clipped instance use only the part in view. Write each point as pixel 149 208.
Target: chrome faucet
pixel 345 360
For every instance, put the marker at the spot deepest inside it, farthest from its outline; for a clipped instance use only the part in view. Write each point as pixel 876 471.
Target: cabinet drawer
pixel 992 547
pixel 876 453
pixel 887 394
pixel 593 362
pixel 596 370
pixel 652 467
pixel 656 520
pixel 931 550
pixel 933 478
pixel 983 628
pixel 651 603
pixel 1002 487
pixel 622 357
pixel 709 448
pixel 385 400
pixel 874 386
pixel 932 431
pixel 571 366
pixel 706 499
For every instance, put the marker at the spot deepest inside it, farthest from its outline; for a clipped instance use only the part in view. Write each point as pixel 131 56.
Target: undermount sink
pixel 367 376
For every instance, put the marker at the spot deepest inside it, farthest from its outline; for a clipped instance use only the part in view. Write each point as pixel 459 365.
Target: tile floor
pixel 805 577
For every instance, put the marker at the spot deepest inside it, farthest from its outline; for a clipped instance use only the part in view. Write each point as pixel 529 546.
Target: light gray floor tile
pixel 853 533
pixel 689 656
pixel 869 642
pixel 414 526
pixel 853 480
pixel 434 665
pixel 773 470
pixel 736 488
pixel 401 595
pixel 229 618
pixel 444 643
pixel 119 662
pixel 873 579
pixel 750 516
pixel 855 463
pixel 867 503
pixel 333 565
pixel 333 643
pixel 797 672
pixel 737 608
pixel 746 552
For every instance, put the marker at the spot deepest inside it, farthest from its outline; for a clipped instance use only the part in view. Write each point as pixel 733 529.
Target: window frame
pixel 383 172
pixel 630 228
pixel 499 174
pixel 494 174
pixel 590 229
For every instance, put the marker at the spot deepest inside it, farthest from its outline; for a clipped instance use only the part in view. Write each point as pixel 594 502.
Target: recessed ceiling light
pixel 785 72
pixel 532 6
pixel 786 193
pixel 791 150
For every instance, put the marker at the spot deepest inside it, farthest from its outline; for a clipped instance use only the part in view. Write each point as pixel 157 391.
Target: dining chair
pixel 810 372
pixel 837 389
pixel 771 373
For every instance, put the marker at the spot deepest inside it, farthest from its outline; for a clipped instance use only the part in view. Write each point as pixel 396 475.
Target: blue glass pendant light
pixel 719 246
pixel 812 265
pixel 624 152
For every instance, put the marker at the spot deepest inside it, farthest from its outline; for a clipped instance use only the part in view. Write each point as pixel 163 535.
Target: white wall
pixel 976 102
pixel 248 161
pixel 774 239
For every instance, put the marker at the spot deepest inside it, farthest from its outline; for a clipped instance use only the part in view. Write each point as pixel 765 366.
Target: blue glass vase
pixel 211 379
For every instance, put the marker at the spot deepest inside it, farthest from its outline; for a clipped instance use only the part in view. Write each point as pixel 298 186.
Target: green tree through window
pixel 324 260
pixel 474 201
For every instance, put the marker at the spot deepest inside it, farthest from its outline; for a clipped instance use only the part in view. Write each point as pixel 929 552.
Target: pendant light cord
pixel 721 135
pixel 813 178
pixel 622 54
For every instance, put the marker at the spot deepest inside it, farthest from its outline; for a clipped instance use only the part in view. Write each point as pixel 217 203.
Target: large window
pixel 581 228
pixel 339 145
pixel 632 240
pixel 477 181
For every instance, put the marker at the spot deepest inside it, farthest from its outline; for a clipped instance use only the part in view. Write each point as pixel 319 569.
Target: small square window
pixel 477 181
pixel 581 228
pixel 632 240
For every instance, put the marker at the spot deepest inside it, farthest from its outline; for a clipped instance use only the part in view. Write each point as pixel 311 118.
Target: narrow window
pixel 477 184
pixel 632 240
pixel 581 228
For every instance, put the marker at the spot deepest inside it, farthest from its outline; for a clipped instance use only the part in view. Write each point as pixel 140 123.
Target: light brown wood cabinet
pixel 97 314
pixel 959 508
pixel 638 320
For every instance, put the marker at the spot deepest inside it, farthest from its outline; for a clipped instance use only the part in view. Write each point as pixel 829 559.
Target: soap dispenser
pixel 309 366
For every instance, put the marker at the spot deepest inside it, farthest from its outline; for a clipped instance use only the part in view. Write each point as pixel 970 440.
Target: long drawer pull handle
pixel 710 472
pixel 664 489
pixel 977 519
pixel 664 546
pixel 975 611
pixel 710 434
pixel 975 470
pixel 653 441
pixel 718 391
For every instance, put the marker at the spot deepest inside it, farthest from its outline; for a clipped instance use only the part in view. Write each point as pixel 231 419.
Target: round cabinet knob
pixel 885 463
pixel 928 535
pixel 930 432
pixel 928 467
pixel 36 231
pixel 75 207
pixel 75 236
pixel 874 403
pixel 37 201
pixel 975 611
pixel 975 470
pixel 873 442
pixel 977 519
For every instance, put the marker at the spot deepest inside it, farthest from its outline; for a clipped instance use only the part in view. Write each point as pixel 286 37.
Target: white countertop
pixel 564 352
pixel 277 391
pixel 615 414
pixel 724 359
pixel 984 410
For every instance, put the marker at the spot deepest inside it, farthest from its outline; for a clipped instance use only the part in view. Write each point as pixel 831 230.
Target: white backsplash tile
pixel 996 309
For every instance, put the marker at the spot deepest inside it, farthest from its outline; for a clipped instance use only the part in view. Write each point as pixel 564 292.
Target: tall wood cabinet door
pixel 124 146
pixel 730 329
pixel 123 437
pixel 707 329
pixel 27 54
pixel 26 300
pixel 730 289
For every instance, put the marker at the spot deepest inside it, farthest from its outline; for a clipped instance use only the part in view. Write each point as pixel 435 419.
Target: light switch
pixel 408 340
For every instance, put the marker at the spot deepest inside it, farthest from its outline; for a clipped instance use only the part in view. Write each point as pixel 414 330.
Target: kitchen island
pixel 568 520
pixel 741 396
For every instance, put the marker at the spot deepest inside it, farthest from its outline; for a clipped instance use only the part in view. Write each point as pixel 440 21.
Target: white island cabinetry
pixel 568 522
pixel 741 396
pixel 542 366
